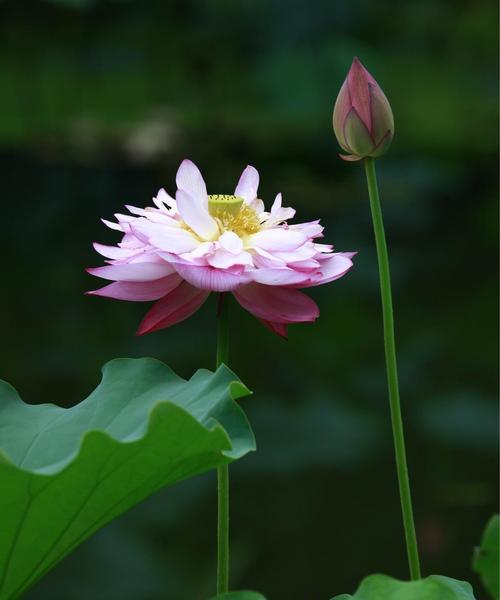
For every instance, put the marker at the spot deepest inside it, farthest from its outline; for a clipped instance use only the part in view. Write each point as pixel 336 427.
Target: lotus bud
pixel 362 116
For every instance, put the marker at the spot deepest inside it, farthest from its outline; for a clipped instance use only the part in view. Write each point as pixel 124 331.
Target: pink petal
pixel 115 252
pixel 276 304
pixel 277 239
pixel 358 79
pixel 139 291
pixel 211 278
pixel 280 277
pixel 190 180
pixel 133 271
pixel 332 267
pixel 180 304
pixel 280 328
pixel 312 229
pixel 248 184
pixel 196 215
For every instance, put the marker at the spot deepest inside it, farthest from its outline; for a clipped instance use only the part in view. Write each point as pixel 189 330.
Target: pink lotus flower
pixel 179 251
pixel 362 116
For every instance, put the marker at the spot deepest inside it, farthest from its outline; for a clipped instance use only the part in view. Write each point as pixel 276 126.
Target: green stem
pixel 223 471
pixel 392 372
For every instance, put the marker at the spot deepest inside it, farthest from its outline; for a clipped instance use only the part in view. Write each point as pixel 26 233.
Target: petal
pixel 311 229
pixel 280 277
pixel 196 216
pixel 248 184
pixel 357 135
pixel 277 304
pixel 163 199
pixel 231 242
pixel 280 328
pixel 111 225
pixel 332 267
pixel 133 272
pixel 222 259
pixel 166 238
pixel 211 278
pixel 180 304
pixel 190 180
pixel 277 239
pixel 139 291
pixel 358 79
pixel 115 252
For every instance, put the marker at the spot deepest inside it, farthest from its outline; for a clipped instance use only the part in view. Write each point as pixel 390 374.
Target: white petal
pixel 248 184
pixel 163 199
pixel 231 242
pixel 115 252
pixel 168 239
pixel 111 225
pixel 196 216
pixel 257 205
pixel 276 204
pixel 222 259
pixel 279 239
pixel 190 180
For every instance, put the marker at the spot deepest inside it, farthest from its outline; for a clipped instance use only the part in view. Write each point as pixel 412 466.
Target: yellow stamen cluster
pixel 232 214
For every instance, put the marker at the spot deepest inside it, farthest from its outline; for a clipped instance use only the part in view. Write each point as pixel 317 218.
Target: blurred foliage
pixel 99 104
pixel 434 587
pixel 487 557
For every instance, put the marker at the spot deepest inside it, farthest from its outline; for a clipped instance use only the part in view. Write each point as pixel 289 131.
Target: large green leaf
pixel 487 557
pixel 64 473
pixel 434 587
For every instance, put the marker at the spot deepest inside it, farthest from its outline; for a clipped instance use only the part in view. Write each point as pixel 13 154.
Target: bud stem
pixel 392 372
pixel 222 471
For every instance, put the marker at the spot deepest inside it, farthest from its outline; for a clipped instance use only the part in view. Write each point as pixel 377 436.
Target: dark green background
pixel 99 103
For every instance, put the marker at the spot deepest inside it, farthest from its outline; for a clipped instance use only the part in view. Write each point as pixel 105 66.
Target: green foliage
pixel 487 557
pixel 243 595
pixel 434 587
pixel 64 473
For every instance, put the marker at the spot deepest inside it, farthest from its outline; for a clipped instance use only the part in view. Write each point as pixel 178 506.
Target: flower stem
pixel 392 372
pixel 222 471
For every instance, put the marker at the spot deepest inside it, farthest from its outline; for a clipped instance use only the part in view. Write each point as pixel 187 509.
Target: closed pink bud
pixel 362 116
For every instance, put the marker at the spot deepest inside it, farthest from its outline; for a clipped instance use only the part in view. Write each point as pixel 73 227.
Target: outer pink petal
pixel 280 328
pixel 331 268
pixel 196 215
pixel 358 79
pixel 139 291
pixel 248 184
pixel 190 180
pixel 211 278
pixel 144 271
pixel 180 304
pixel 276 304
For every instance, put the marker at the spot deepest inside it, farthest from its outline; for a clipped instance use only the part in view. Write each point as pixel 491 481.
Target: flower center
pixel 232 214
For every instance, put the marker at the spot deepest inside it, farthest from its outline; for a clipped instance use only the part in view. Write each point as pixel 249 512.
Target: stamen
pixel 232 214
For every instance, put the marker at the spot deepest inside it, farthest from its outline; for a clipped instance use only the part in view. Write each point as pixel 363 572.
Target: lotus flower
pixel 179 250
pixel 362 116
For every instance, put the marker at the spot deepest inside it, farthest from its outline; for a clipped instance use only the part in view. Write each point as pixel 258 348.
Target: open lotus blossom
pixel 180 250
